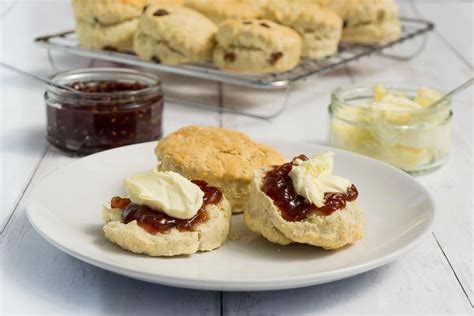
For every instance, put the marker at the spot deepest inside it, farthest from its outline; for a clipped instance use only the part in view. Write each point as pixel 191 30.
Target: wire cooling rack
pixel 347 53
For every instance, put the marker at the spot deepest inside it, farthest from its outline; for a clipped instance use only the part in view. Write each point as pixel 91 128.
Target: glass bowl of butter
pixel 398 124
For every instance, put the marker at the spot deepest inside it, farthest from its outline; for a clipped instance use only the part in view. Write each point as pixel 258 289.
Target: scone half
pixel 334 231
pixel 223 158
pixel 208 235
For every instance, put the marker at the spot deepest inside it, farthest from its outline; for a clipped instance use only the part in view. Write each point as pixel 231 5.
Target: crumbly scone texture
pixel 208 235
pixel 107 12
pixel 117 36
pixel 175 2
pixel 341 228
pixel 256 46
pixel 319 27
pixel 174 34
pixel 221 10
pixel 222 157
pixel 371 21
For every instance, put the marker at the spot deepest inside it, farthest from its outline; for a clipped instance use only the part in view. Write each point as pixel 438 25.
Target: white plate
pixel 65 208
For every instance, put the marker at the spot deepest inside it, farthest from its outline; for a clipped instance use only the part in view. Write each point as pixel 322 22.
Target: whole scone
pixel 208 235
pixel 173 34
pixel 334 231
pixel 319 27
pixel 107 24
pixel 224 158
pixel 256 46
pixel 371 21
pixel 115 37
pixel 221 10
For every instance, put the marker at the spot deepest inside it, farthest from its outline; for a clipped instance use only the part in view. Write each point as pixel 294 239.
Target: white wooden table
pixel 38 278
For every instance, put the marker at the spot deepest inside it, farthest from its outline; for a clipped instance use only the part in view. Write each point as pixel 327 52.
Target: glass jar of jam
pixel 393 129
pixel 111 107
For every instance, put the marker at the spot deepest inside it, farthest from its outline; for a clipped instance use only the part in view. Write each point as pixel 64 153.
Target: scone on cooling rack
pixel 107 24
pixel 167 215
pixel 173 34
pixel 319 27
pixel 223 158
pixel 370 21
pixel 303 202
pixel 256 46
pixel 219 10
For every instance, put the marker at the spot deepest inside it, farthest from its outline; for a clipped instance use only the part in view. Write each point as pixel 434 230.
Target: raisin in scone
pixel 224 158
pixel 218 10
pixel 256 46
pixel 302 202
pixel 371 21
pixel 160 221
pixel 107 24
pixel 173 34
pixel 319 27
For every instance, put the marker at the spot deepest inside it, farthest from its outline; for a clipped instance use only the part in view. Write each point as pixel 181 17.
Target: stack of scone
pixel 249 36
pixel 205 174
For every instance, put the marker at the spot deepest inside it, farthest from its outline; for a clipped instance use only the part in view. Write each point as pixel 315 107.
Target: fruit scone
pixel 222 157
pixel 256 46
pixel 221 10
pixel 371 21
pixel 107 24
pixel 165 214
pixel 319 27
pixel 173 34
pixel 303 202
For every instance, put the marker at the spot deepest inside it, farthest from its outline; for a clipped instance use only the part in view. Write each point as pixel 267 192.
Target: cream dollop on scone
pixel 221 10
pixel 167 215
pixel 370 21
pixel 319 27
pixel 107 24
pixel 256 46
pixel 222 157
pixel 172 34
pixel 303 202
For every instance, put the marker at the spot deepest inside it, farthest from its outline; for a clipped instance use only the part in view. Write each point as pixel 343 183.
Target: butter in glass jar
pixel 111 107
pixel 393 123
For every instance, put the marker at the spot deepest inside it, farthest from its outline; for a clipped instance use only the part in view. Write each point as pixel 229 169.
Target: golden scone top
pixel 218 11
pixel 302 14
pixel 107 11
pixel 215 152
pixel 267 33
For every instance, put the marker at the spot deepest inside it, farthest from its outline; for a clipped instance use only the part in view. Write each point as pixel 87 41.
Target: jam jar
pixel 110 107
pixel 412 140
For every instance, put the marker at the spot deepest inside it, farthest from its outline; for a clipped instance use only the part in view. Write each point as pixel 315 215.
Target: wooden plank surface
pixel 38 278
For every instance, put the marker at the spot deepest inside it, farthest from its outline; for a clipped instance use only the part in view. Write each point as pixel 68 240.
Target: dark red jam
pixel 107 114
pixel 155 221
pixel 278 185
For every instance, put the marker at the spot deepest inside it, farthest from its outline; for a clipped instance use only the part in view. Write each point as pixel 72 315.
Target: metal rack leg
pixel 208 107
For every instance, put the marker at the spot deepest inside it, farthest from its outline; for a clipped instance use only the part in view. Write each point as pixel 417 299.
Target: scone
pixel 256 46
pixel 173 34
pixel 222 157
pixel 107 24
pixel 371 21
pixel 141 229
pixel 175 2
pixel 319 27
pixel 283 216
pixel 221 10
